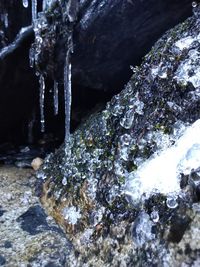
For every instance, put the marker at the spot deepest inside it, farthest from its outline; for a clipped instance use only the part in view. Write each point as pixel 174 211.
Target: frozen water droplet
pixel 125 139
pixel 42 92
pixel 194 4
pixel 154 71
pixel 64 181
pixel 162 73
pixel 172 202
pixel 155 216
pixel 117 110
pixel 127 120
pixel 55 97
pixel 118 168
pixel 25 3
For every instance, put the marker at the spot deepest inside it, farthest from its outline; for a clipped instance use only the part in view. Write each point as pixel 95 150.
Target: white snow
pixel 161 172
pixel 185 42
pixel 183 73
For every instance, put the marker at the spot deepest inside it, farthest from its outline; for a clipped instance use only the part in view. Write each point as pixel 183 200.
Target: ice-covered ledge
pixel 161 172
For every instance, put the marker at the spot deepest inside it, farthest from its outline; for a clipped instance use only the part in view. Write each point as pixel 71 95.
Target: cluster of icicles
pixel 67 73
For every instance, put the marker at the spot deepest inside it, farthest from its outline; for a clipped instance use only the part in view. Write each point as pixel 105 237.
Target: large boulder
pixel 108 37
pixel 126 186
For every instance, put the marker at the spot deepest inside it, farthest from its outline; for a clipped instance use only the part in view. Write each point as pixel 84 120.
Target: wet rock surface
pixel 126 186
pixel 28 237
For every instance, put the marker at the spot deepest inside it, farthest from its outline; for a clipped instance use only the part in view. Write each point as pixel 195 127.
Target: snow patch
pixel 160 173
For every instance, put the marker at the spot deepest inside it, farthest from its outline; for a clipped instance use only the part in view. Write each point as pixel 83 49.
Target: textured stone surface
pixel 28 237
pixel 93 186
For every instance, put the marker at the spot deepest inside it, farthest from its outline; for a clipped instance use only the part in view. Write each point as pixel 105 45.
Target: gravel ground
pixel 28 237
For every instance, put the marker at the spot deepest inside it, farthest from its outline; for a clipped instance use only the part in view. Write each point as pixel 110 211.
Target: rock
pixel 115 186
pixel 36 163
pixel 28 236
pixel 101 59
pixel 98 61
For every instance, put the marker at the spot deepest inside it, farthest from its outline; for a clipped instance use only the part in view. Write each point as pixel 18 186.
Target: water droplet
pixel 162 73
pixel 125 139
pixel 172 202
pixel 127 120
pixel 194 4
pixel 25 3
pixel 64 181
pixel 154 216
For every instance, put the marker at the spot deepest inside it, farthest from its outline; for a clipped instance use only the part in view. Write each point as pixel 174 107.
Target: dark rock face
pixel 115 187
pixel 111 36
pixel 108 38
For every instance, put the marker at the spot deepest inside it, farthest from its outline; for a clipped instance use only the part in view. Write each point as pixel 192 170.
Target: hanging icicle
pixel 34 10
pixel 25 3
pixel 72 10
pixel 42 92
pixel 68 97
pixel 55 97
pixel 44 3
pixel 4 19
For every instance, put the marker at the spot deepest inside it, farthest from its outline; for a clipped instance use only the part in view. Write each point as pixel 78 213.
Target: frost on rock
pixel 131 172
pixel 189 70
pixel 142 229
pixel 71 214
pixel 161 173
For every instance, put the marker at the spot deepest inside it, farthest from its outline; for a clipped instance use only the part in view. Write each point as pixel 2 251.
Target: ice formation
pixel 25 3
pixel 39 24
pixel 71 214
pixel 42 92
pixel 55 97
pixel 141 230
pixel 34 10
pixel 67 93
pixel 189 70
pixel 161 173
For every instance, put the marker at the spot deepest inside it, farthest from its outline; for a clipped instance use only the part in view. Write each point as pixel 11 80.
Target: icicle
pixel 5 19
pixel 34 10
pixel 30 128
pixel 55 97
pixel 42 92
pixel 44 4
pixel 67 93
pixel 31 57
pixel 25 3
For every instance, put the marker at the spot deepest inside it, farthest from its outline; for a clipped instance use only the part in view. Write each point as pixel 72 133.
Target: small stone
pixel 7 244
pixel 2 260
pixel 36 163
